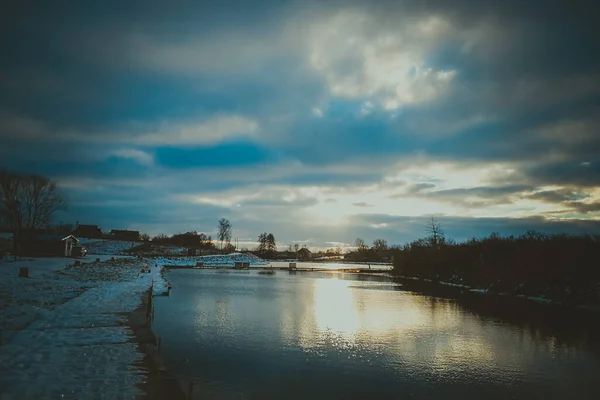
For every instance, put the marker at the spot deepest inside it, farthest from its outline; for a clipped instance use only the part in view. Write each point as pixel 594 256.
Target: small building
pixel 70 242
pixel 88 231
pixel 304 254
pixel 125 235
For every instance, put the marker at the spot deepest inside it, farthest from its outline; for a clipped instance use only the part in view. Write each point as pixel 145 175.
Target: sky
pixel 317 121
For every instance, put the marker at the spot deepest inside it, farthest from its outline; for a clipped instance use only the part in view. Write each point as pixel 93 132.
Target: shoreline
pixel 458 291
pixel 160 383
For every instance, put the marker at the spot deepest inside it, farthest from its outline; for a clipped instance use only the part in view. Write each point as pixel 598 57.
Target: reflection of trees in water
pixel 558 326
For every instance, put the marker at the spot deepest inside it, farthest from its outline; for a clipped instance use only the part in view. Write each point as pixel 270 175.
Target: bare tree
pixel 380 245
pixel 436 233
pixel 27 202
pixel 224 232
pixel 359 244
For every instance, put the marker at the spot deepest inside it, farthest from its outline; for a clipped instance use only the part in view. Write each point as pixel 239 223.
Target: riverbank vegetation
pixel 559 267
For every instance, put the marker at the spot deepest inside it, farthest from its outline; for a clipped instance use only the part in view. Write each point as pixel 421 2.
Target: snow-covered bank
pixel 225 260
pixel 108 247
pixel 479 291
pixel 64 329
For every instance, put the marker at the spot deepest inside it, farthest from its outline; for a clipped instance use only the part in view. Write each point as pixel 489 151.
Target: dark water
pixel 241 335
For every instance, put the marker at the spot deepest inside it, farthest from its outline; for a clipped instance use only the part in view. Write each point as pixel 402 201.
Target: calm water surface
pixel 241 335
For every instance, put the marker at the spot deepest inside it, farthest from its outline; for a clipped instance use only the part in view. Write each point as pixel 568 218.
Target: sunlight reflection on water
pixel 352 336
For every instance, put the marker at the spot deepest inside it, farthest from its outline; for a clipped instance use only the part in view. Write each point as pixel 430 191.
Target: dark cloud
pixel 399 230
pixel 585 207
pixel 556 196
pixel 486 195
pixel 582 173
pixel 362 204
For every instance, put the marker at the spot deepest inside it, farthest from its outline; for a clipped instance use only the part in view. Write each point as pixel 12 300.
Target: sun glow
pixel 335 307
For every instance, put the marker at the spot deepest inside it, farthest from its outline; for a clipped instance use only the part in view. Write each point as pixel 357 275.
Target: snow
pixel 478 290
pixel 155 250
pixel 454 284
pixel 227 260
pixel 108 247
pixel 537 299
pixel 64 329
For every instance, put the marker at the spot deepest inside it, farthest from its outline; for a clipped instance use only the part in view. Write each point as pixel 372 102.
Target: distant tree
pixel 27 203
pixel 161 238
pixel 436 234
pixel 262 243
pixel 144 237
pixel 359 244
pixel 271 244
pixel 229 248
pixel 333 252
pixel 224 231
pixel 209 243
pixel 380 245
pixel 188 239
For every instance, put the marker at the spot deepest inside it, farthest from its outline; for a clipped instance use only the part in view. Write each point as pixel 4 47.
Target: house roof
pixel 72 237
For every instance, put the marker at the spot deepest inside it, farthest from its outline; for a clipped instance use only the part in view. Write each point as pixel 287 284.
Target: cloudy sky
pixel 317 121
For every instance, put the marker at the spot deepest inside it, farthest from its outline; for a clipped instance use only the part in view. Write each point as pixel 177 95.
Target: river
pixel 332 335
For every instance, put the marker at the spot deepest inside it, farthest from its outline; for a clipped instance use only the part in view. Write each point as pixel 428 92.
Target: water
pixel 311 335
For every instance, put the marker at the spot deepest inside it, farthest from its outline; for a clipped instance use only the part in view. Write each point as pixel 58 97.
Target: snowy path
pixel 79 348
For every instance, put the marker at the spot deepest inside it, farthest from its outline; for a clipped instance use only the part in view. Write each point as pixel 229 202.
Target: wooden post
pixel 191 389
pixel 23 272
pixel 159 343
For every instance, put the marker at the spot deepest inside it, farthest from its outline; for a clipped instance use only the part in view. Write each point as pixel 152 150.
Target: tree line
pixel 559 267
pixel 200 240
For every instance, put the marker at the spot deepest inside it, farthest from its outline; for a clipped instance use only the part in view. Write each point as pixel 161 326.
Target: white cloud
pixel 360 58
pixel 213 130
pixel 140 156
